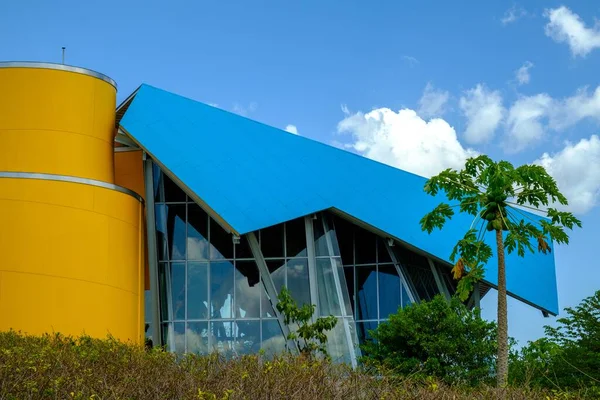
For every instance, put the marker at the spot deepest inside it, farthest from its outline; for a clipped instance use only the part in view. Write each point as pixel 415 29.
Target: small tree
pixel 435 338
pixel 493 192
pixel 310 337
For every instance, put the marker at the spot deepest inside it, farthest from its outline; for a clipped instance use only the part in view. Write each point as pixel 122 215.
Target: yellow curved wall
pixel 56 122
pixel 72 253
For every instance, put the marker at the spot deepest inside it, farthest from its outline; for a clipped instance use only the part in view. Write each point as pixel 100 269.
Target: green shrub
pixel 435 338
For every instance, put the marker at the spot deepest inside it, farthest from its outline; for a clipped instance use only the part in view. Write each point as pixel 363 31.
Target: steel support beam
pixel 312 264
pixel 438 279
pixel 412 292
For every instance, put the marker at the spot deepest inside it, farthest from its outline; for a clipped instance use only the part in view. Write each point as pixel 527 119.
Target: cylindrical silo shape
pixel 71 240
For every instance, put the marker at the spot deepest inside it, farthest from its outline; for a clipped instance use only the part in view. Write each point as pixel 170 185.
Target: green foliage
pixel 569 356
pixel 492 193
pixel 58 367
pixel 435 338
pixel 310 337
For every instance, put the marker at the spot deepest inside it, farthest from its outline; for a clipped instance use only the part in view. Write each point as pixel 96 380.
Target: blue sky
pixel 417 84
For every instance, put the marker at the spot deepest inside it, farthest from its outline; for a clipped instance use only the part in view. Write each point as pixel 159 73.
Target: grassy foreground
pixel 57 367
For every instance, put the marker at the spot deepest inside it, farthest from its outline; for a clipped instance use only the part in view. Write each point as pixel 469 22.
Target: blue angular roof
pixel 253 176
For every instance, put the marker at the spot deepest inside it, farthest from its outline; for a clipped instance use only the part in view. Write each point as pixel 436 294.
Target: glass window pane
pixel 176 231
pixel 172 291
pixel 174 335
pixel 329 303
pixel 331 236
pixel 222 336
pixel 248 337
pixel 320 239
pixel 344 232
pixel 197 293
pixel 266 306
pixel 337 343
pixel 159 195
pixel 390 292
pixel 297 280
pixel 196 336
pixel 271 241
pixel 364 246
pixel 343 285
pixel 162 243
pixel 349 275
pixel 366 287
pixel 221 242
pixel 295 237
pixel 418 271
pixel 405 299
pixel 363 329
pixel 172 192
pixel 273 341
pixel 197 233
pixel 221 289
pixel 383 255
pixel 277 271
pixel 242 249
pixel 247 290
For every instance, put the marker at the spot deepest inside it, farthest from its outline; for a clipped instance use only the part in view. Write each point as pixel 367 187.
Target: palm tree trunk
pixel 502 360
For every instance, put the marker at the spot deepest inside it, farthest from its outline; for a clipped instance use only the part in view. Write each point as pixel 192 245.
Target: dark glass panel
pixel 197 233
pixel 364 246
pixel 196 336
pixel 222 336
pixel 197 293
pixel 176 231
pixel 349 274
pixel 320 238
pixel 277 271
pixel 273 341
pixel 159 194
pixel 405 298
pixel 173 193
pixel 329 302
pixel 162 243
pixel 247 337
pixel 363 329
pixel 242 249
pixel 221 289
pixel 266 306
pixel 271 241
pixel 297 280
pixel 295 237
pixel 174 335
pixel 172 281
pixel 366 287
pixel 390 291
pixel 221 242
pixel 345 237
pixel 383 256
pixel 445 272
pixel 419 272
pixel 247 290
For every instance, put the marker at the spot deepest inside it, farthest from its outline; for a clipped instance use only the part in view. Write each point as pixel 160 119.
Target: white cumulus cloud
pixel 292 129
pixel 576 169
pixel 404 140
pixel 571 110
pixel 484 111
pixel 433 102
pixel 564 26
pixel 522 74
pixel 524 124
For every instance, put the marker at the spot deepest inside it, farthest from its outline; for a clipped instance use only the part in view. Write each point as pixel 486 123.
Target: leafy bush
pixel 435 338
pixel 569 356
pixel 57 367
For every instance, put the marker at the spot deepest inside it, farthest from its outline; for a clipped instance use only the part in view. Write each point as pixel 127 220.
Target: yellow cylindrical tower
pixel 71 240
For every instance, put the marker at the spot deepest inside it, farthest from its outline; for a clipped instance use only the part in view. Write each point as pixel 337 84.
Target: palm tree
pixel 495 193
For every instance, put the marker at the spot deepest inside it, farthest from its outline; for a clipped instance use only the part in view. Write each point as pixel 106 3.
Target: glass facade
pixel 213 297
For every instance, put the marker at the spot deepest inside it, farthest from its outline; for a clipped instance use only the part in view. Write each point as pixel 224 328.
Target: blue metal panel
pixel 255 176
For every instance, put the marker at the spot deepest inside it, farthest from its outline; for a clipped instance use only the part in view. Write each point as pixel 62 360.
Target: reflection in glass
pixel 162 243
pixel 221 243
pixel 271 241
pixel 349 275
pixel 266 305
pixel 277 271
pixel 295 237
pixel 343 285
pixel 176 231
pixel 222 336
pixel 197 233
pixel 390 291
pixel 196 336
pixel 247 290
pixel 242 249
pixel 297 280
pixel 174 336
pixel 363 329
pixel 247 337
pixel 148 315
pixel 221 289
pixel 273 341
pixel 172 284
pixel 329 303
pixel 366 287
pixel 197 293
pixel 320 239
pixel 337 343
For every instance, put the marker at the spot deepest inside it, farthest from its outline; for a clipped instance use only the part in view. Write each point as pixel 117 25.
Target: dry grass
pixel 56 367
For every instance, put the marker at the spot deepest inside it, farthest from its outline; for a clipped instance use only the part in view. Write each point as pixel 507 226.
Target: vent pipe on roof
pixel 63 54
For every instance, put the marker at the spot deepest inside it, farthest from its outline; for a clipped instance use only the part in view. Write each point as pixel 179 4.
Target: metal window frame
pixel 438 279
pixel 410 289
pixel 312 264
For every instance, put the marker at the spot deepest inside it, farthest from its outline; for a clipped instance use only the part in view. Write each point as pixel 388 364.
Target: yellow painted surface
pixel 129 171
pixel 56 122
pixel 72 259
